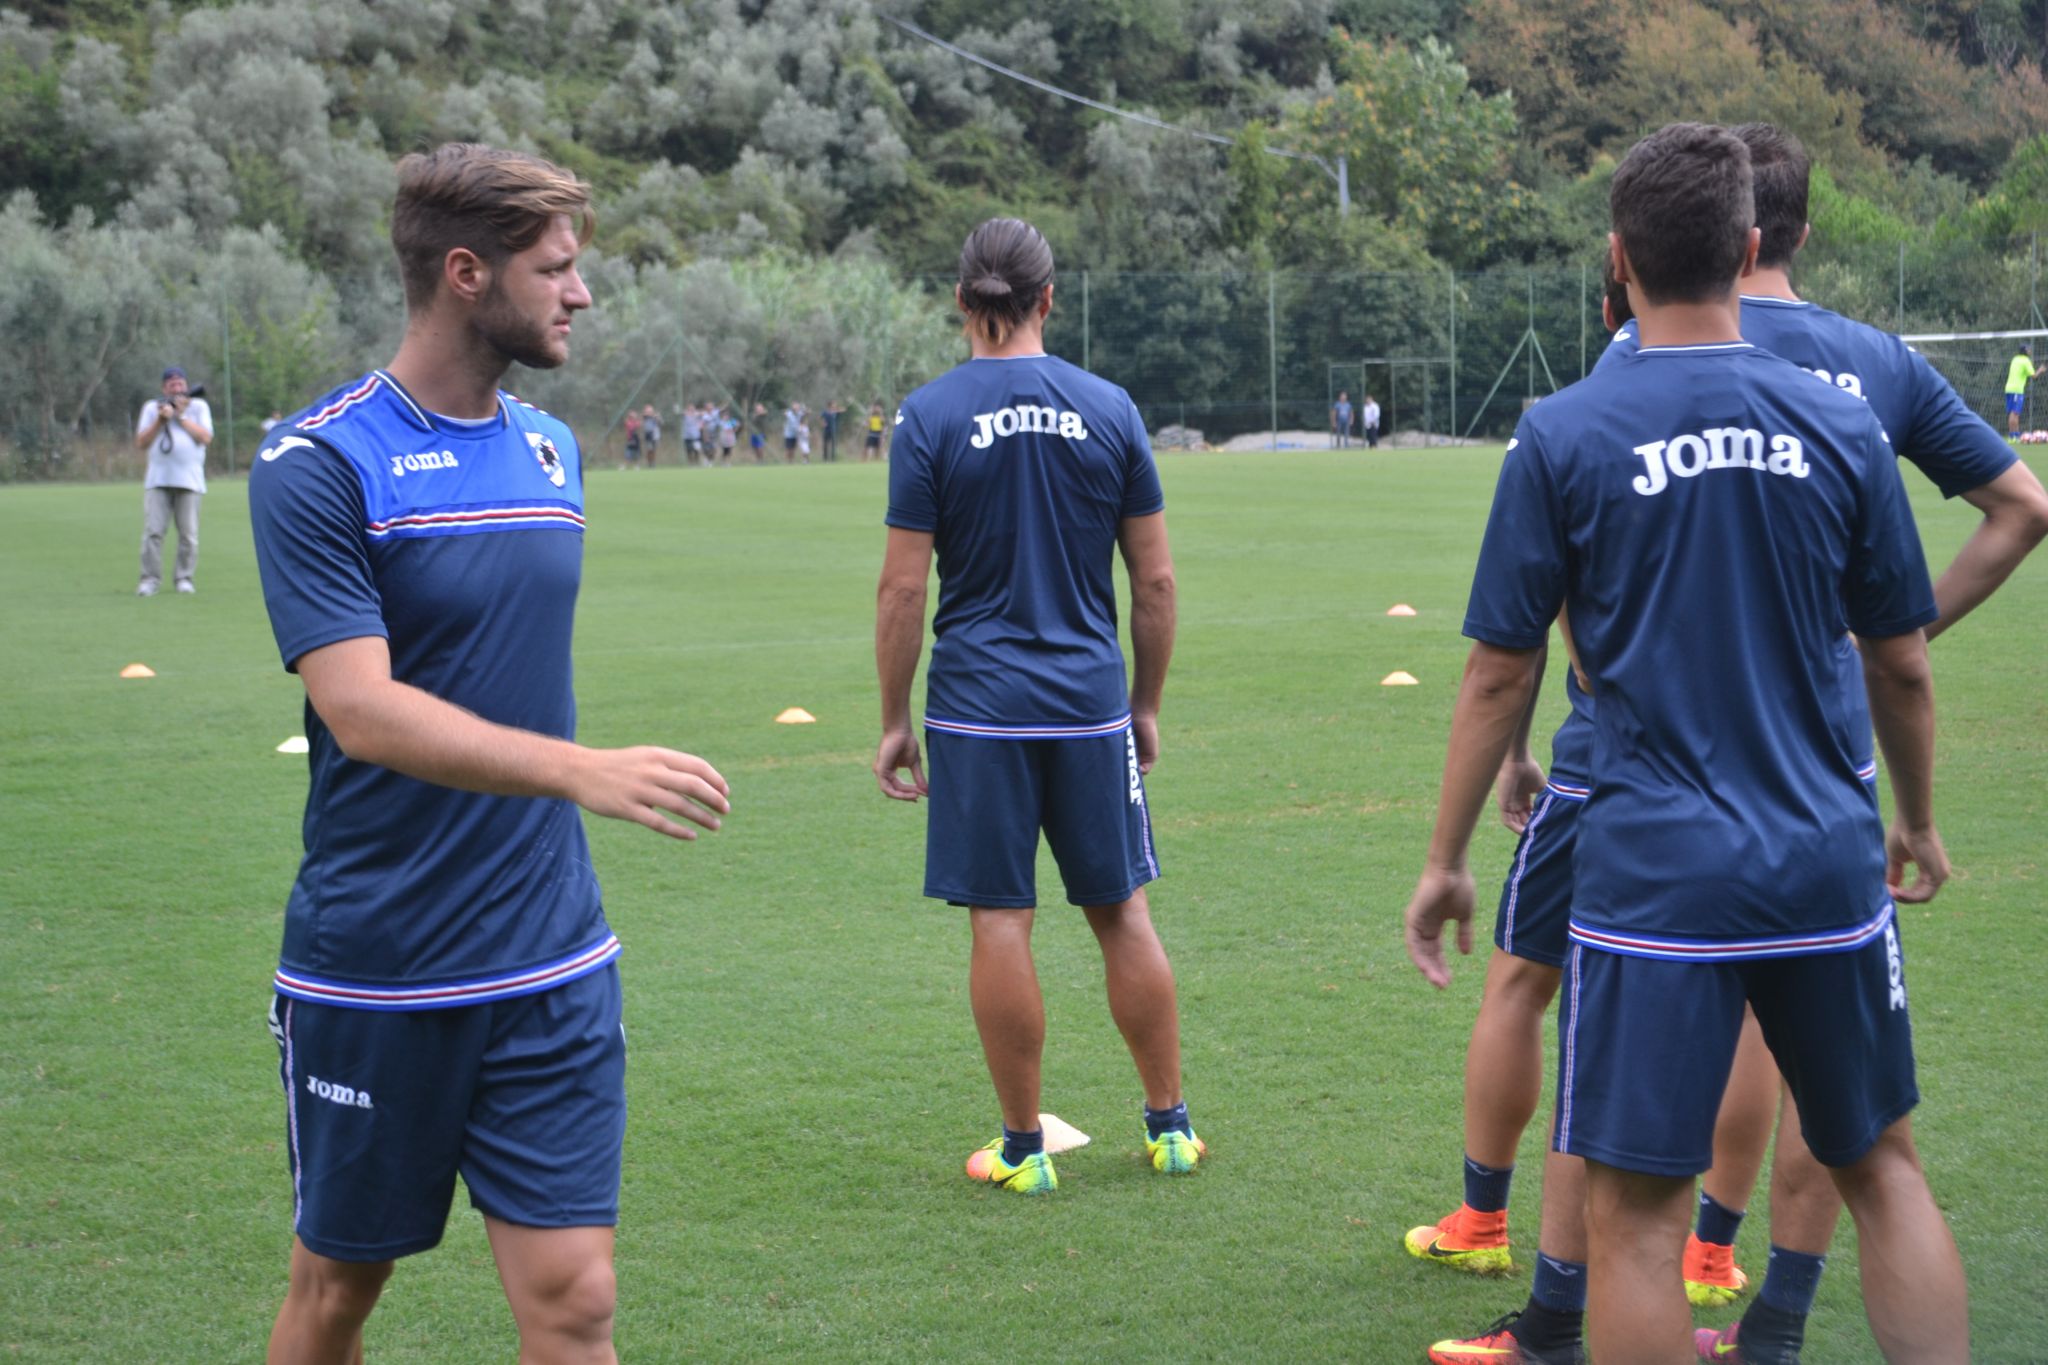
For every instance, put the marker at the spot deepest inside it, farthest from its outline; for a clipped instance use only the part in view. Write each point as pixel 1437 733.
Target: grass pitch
pixel 804 1076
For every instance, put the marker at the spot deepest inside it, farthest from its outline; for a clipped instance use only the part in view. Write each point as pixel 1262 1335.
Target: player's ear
pixel 1805 231
pixel 465 275
pixel 1045 301
pixel 1617 259
pixel 959 300
pixel 1749 250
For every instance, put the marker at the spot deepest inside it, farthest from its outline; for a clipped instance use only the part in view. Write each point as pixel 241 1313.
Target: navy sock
pixel 1718 1222
pixel 1791 1281
pixel 1486 1189
pixel 1555 1319
pixel 1771 1336
pixel 1559 1285
pixel 1159 1121
pixel 1017 1146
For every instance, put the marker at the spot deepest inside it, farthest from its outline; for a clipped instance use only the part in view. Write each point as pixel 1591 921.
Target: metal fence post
pixel 1902 289
pixel 227 365
pixel 1273 356
pixel 1452 299
pixel 1582 319
pixel 1084 320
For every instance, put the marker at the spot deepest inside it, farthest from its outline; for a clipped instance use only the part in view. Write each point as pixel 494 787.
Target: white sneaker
pixel 145 589
pixel 185 585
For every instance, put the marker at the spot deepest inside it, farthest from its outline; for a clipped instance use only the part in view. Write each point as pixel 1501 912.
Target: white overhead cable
pixel 1050 89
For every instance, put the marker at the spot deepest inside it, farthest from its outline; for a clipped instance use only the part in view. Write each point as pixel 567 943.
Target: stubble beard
pixel 514 335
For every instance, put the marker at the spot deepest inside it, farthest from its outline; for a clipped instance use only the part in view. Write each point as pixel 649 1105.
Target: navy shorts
pixel 1535 912
pixel 990 798
pixel 525 1097
pixel 1646 1046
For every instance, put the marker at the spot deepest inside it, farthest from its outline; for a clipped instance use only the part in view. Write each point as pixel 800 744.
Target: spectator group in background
pixel 712 431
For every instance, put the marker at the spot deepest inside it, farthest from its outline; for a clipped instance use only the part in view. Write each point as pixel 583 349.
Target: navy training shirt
pixel 1710 515
pixel 461 543
pixel 1928 423
pixel 1023 469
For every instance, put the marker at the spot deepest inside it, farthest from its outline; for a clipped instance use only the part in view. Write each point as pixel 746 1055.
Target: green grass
pixel 804 1075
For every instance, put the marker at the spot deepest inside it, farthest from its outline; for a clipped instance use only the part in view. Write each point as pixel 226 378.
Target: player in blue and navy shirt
pixel 1961 455
pixel 1711 518
pixel 1025 475
pixel 447 999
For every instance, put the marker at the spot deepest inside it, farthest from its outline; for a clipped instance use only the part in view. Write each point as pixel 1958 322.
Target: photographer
pixel 175 429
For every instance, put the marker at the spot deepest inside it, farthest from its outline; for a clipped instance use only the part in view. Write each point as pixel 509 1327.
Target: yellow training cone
pixel 295 745
pixel 138 671
pixel 1399 679
pixel 1400 609
pixel 796 715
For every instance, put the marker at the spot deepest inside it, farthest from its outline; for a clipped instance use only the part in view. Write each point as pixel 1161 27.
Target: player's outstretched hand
pixel 1520 780
pixel 1145 729
pixel 1442 894
pixel 646 784
pixel 898 751
pixel 1923 850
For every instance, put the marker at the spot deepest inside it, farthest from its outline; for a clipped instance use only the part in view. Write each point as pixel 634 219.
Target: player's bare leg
pixel 1504 1060
pixel 325 1307
pixel 1636 1313
pixel 1913 1287
pixel 1805 1205
pixel 562 1289
pixel 1141 994
pixel 1742 1132
pixel 1009 1012
pixel 1563 1234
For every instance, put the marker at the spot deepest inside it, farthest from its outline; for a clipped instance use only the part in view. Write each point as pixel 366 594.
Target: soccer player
pixel 1931 427
pixel 1698 503
pixel 1340 421
pixel 1026 475
pixel 447 999
pixel 2017 376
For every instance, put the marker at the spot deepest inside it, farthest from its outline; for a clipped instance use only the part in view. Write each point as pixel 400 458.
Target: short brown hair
pixel 1004 266
pixel 1683 206
pixel 495 202
pixel 1780 169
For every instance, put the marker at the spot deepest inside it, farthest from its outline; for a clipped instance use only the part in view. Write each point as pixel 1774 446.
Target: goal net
pixel 1976 363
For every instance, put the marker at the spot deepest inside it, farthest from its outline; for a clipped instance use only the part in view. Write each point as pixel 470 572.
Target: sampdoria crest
pixel 550 458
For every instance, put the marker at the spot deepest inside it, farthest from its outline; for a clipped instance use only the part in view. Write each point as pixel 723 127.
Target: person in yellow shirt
pixel 2016 379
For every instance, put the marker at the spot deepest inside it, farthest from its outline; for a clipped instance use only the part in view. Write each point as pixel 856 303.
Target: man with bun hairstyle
pixel 447 999
pixel 1025 476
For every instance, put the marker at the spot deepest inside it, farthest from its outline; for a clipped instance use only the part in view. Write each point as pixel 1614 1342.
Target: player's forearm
pixel 1518 742
pixel 899 640
pixel 1155 615
pixel 397 726
pixel 2015 520
pixel 1901 688
pixel 1491 700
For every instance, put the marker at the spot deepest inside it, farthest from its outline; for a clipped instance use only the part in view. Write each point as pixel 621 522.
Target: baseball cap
pixel 174 372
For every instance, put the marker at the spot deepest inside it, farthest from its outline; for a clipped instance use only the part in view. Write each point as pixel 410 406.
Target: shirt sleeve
pixel 913 486
pixel 1142 494
pixel 1520 582
pixel 1886 590
pixel 1952 445
pixel 306 508
pixel 147 418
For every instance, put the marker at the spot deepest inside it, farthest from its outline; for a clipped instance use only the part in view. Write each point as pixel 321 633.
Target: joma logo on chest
pixel 426 459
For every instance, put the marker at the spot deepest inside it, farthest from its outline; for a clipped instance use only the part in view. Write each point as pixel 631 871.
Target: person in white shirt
pixel 175 429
